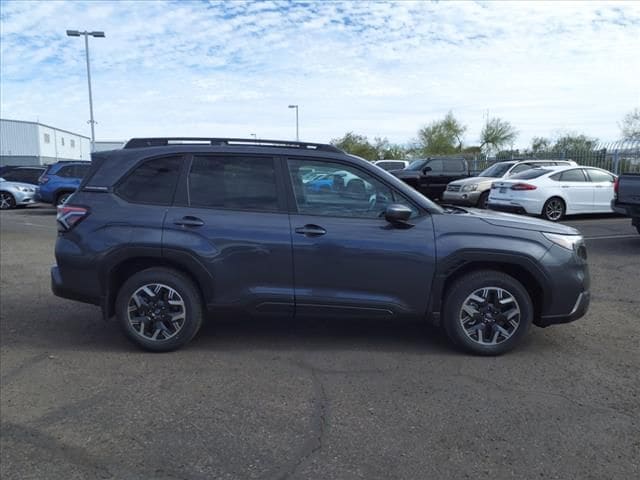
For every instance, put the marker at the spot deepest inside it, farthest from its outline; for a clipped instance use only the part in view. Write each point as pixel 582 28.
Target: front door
pixel 602 183
pixel 233 217
pixel 577 191
pixel 348 260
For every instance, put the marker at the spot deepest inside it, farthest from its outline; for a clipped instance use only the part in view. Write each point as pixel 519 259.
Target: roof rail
pixel 166 141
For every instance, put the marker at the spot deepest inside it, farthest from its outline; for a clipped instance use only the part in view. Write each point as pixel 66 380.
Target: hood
pixel 18 184
pixel 522 222
pixel 470 180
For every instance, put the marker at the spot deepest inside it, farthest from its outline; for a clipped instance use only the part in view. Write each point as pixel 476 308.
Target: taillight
pixel 43 179
pixel 615 187
pixel 69 216
pixel 523 186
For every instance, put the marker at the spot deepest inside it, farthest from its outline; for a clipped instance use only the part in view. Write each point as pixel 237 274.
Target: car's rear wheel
pixel 159 309
pixel 554 209
pixel 62 198
pixel 483 200
pixel 7 202
pixel 487 312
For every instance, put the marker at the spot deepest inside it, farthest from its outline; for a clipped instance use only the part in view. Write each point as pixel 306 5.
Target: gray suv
pixel 167 233
pixel 474 191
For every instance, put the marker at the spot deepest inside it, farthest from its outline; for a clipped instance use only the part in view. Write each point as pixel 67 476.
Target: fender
pixel 461 259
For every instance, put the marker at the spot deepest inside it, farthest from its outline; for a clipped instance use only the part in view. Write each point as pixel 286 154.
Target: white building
pixel 102 145
pixel 32 143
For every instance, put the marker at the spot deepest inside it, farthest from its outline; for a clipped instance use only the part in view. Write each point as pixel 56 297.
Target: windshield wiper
pixel 453 208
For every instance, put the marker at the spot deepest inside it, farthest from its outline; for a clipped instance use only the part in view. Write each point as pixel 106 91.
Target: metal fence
pixel 617 157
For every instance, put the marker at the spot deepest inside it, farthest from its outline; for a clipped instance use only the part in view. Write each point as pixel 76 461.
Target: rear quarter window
pixel 152 182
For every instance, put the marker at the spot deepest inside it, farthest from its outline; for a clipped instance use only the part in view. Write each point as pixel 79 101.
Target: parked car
pixel 626 197
pixel 15 194
pixel 60 180
pixel 554 192
pixel 431 176
pixel 165 236
pixel 474 191
pixel 22 174
pixel 390 165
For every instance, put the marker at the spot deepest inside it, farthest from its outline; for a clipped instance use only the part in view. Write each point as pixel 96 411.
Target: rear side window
pixel 79 171
pixel 436 166
pixel 238 183
pixel 575 175
pixel 65 172
pixel 152 182
pixel 454 165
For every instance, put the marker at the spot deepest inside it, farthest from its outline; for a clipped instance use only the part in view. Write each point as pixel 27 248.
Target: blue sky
pixel 206 68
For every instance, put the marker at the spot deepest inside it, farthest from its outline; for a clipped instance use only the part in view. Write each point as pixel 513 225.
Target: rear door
pixel 602 183
pixel 577 190
pixel 231 215
pixel 348 260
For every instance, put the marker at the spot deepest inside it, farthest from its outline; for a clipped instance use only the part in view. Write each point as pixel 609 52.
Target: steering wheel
pixel 373 201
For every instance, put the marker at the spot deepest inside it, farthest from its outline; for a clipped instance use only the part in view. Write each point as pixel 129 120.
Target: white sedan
pixel 554 192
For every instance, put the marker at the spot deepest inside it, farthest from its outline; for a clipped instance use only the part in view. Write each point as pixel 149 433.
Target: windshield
pixel 417 165
pixel 529 174
pixel 496 170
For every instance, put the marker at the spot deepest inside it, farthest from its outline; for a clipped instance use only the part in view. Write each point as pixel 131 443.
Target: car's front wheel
pixel 487 312
pixel 159 309
pixel 7 202
pixel 483 200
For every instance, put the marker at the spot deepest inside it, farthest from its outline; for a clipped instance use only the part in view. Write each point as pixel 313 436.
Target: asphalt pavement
pixel 314 400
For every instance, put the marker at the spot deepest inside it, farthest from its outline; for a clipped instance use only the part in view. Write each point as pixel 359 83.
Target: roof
pixel 43 125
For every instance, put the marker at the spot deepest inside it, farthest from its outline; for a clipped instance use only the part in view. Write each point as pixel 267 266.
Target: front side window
pixel 343 191
pixel 239 183
pixel 153 182
pixel 437 166
pixel 497 170
pixel 454 165
pixel 598 176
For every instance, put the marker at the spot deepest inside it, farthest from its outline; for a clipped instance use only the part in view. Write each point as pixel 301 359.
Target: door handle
pixel 311 230
pixel 189 221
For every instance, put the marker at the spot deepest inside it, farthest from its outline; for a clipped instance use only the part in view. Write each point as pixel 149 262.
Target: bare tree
pixel 497 133
pixel 630 125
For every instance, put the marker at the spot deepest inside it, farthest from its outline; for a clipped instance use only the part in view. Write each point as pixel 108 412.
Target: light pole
pixel 77 33
pixel 297 125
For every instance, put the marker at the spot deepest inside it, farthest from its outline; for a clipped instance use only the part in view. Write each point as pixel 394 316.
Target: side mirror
pixel 397 213
pixel 426 169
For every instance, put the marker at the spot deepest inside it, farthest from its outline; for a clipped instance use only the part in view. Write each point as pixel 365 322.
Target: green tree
pixel 441 137
pixel 387 150
pixel 630 126
pixel 356 145
pixel 497 133
pixel 572 142
pixel 540 144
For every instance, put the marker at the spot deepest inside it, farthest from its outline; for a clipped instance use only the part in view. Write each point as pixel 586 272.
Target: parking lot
pixel 315 400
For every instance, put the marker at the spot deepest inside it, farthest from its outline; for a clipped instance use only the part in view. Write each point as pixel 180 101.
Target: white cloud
pixel 379 68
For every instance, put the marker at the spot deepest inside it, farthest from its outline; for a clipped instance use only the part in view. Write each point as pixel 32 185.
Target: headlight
pixel 26 189
pixel 570 242
pixel 470 188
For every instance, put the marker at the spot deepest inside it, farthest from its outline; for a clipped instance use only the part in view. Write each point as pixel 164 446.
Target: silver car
pixel 15 194
pixel 474 191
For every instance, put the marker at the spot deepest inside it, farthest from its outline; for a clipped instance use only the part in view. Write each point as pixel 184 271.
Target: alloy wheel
pixel 6 201
pixel 554 209
pixel 156 312
pixel 490 315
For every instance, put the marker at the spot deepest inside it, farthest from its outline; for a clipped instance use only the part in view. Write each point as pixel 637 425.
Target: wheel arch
pixel 124 266
pixel 520 267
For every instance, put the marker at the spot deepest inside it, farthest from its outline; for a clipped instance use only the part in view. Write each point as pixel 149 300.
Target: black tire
pixel 62 198
pixel 638 228
pixel 188 293
pixel 483 200
pixel 469 285
pixel 7 201
pixel 554 209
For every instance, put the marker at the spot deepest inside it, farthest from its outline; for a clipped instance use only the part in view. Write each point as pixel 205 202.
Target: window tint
pixel 531 173
pixel 520 168
pixel 242 183
pixel 65 172
pixel 79 171
pixel 344 191
pixel 437 166
pixel 575 175
pixel 454 165
pixel 152 182
pixel 598 176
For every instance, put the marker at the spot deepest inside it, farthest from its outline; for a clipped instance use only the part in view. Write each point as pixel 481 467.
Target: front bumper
pixel 24 198
pixel 469 199
pixel 578 311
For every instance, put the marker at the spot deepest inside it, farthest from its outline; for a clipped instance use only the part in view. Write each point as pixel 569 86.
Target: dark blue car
pixel 60 180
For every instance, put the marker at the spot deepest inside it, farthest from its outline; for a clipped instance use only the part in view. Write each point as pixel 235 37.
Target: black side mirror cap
pixel 426 169
pixel 396 213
